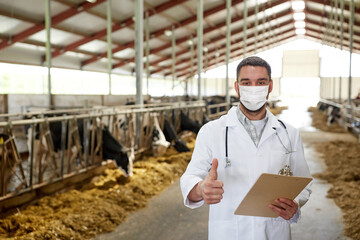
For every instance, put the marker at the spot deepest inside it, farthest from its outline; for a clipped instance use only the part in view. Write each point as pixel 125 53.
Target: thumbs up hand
pixel 211 188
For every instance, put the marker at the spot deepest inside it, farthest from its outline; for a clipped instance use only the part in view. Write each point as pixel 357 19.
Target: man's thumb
pixel 213 170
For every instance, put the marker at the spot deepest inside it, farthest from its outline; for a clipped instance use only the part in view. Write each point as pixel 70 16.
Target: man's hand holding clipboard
pixel 272 195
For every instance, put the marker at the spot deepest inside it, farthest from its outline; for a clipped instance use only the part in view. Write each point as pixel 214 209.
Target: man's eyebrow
pixel 262 79
pixel 244 79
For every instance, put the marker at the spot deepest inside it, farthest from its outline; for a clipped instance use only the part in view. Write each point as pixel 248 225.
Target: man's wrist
pixel 195 194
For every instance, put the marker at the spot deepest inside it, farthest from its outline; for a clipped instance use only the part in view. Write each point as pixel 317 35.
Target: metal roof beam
pixel 326 15
pixel 240 49
pixel 54 20
pixel 126 23
pixel 160 32
pixel 223 46
pixel 220 37
pixel 207 30
pixel 346 29
pixel 328 3
pixel 321 33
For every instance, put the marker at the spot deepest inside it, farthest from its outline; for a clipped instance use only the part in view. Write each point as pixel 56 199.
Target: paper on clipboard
pixel 268 188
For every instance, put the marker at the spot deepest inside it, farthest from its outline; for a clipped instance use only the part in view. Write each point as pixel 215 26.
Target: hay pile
pixel 100 205
pixel 343 172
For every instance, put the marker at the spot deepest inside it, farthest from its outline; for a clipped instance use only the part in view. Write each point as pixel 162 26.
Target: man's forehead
pixel 254 71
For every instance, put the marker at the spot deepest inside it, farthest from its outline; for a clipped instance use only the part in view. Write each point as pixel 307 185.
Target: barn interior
pixel 101 102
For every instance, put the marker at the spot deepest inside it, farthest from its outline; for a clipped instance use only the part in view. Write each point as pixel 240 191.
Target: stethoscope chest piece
pixel 227 162
pixel 286 171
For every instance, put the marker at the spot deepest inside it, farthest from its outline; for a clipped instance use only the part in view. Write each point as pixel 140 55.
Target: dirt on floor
pixel 343 172
pixel 100 205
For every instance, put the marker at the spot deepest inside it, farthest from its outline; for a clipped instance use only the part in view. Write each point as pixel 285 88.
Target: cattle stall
pixel 66 147
pixel 348 116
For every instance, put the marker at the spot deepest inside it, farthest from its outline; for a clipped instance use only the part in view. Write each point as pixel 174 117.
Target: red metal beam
pixel 234 54
pixel 346 29
pixel 224 47
pixel 232 33
pixel 219 38
pixel 321 32
pixel 54 20
pixel 327 16
pixel 160 32
pixel 328 3
pixel 234 49
pixel 207 30
pixel 126 23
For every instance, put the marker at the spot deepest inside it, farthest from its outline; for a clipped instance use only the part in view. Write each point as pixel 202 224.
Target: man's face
pixel 253 76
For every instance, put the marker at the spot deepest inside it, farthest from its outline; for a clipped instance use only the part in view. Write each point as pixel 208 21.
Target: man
pixel 233 151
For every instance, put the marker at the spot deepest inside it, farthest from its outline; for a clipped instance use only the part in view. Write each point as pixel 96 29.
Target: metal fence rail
pixel 45 166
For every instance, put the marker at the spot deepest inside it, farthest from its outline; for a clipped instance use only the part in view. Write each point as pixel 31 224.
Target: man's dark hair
pixel 253 61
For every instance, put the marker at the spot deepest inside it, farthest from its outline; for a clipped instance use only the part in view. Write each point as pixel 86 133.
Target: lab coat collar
pixel 271 126
pixel 231 119
pixel 272 123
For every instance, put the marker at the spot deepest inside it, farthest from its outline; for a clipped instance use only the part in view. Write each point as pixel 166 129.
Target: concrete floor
pixel 166 217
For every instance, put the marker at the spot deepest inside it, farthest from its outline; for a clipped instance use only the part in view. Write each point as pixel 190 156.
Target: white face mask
pixel 253 97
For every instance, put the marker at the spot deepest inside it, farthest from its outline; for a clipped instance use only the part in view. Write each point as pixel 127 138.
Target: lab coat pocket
pixel 220 230
pixel 278 159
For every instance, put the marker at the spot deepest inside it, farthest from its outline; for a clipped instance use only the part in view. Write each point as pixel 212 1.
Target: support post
pixel 351 32
pixel 48 48
pixel 228 35
pixel 192 66
pixel 109 42
pixel 173 61
pixel 245 13
pixel 200 13
pixel 256 24
pixel 139 38
pixel 147 32
pixel 341 42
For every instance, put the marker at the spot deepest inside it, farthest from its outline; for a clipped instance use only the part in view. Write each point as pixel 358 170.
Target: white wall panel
pixel 304 63
pixel 329 87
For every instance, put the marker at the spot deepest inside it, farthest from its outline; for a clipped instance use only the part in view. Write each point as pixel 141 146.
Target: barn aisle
pixel 321 217
pixel 167 218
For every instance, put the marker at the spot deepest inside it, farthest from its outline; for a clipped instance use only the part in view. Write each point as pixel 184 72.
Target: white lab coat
pixel 247 163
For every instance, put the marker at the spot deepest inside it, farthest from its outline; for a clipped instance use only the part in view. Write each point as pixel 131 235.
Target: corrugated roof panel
pixel 124 35
pixel 58 37
pixel 125 54
pixel 11 26
pixel 84 22
pixel 94 46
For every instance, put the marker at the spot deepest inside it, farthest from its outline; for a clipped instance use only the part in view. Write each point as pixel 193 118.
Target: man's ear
pixel 236 86
pixel 270 88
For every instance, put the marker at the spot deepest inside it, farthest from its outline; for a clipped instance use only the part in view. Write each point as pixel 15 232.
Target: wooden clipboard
pixel 268 188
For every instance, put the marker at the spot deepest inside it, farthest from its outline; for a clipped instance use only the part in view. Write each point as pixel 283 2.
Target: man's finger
pixel 213 170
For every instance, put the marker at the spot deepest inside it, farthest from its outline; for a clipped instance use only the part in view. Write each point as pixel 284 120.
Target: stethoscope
pixel 285 170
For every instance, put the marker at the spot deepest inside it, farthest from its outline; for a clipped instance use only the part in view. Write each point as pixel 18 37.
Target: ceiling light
pixel 300 31
pixel 298 5
pixel 190 42
pixel 217 54
pixel 205 49
pixel 299 16
pixel 300 24
pixel 168 33
pixel 91 1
